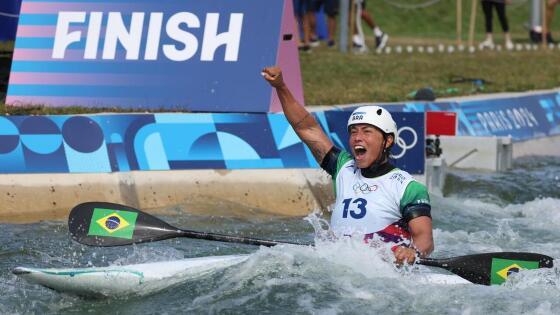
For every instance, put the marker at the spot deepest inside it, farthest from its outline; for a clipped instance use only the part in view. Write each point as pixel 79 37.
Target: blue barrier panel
pixel 112 143
pixel 203 56
pixel 9 12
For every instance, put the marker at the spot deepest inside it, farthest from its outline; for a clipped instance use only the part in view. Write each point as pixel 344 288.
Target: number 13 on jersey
pixel 358 210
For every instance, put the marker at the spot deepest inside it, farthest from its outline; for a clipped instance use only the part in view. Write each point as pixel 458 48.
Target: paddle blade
pixel 110 224
pixel 490 268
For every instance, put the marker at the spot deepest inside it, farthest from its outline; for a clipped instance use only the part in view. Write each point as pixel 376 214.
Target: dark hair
pixel 386 155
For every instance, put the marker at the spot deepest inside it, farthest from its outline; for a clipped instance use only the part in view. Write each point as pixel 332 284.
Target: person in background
pixel 487 8
pixel 381 38
pixel 301 8
pixel 549 14
pixel 373 198
pixel 330 8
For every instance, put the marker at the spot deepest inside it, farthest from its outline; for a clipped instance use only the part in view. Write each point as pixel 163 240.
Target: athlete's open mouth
pixel 359 150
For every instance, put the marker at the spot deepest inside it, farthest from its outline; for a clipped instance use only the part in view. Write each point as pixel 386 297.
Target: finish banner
pixel 169 54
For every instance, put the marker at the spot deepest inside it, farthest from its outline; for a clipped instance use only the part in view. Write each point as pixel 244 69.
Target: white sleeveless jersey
pixel 368 205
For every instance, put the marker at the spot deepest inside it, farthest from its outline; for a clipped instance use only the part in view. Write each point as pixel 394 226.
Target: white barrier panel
pixel 487 153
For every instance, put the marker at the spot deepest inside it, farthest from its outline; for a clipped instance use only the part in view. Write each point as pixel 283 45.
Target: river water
pixel 482 212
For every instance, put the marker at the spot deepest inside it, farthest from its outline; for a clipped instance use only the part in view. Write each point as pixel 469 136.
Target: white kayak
pixel 142 279
pixel 127 280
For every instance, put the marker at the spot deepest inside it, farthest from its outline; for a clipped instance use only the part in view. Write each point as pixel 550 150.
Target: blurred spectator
pixel 550 5
pixel 331 10
pixel 500 6
pixel 301 8
pixel 381 38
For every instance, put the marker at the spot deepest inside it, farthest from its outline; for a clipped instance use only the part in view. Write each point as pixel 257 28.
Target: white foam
pixel 545 210
pixel 545 277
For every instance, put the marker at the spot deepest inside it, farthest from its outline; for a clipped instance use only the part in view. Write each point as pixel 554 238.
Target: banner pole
pixel 343 30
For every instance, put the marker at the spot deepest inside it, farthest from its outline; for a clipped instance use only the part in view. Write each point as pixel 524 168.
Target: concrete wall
pixel 540 146
pixel 293 192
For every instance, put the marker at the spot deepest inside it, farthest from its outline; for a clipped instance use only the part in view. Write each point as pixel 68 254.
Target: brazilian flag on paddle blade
pixel 502 268
pixel 113 223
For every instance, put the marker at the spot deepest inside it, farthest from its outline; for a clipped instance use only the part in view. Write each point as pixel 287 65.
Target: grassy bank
pixel 332 78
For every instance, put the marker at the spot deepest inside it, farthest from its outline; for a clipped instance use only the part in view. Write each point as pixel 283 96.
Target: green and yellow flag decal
pixel 113 223
pixel 502 268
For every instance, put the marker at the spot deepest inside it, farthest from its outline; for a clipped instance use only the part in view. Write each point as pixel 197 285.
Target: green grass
pixel 330 77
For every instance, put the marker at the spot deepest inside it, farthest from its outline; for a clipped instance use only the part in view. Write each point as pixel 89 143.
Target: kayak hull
pixel 147 278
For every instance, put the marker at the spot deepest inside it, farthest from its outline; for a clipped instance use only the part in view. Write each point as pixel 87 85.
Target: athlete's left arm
pixel 422 241
pixel 421 232
pixel 416 211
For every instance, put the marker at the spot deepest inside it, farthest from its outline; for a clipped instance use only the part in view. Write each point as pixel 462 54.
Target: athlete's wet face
pixel 366 143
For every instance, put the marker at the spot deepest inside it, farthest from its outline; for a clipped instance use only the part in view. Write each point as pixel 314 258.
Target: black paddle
pixel 110 224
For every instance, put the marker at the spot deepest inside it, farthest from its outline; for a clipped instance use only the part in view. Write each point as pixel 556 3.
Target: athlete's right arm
pixel 304 124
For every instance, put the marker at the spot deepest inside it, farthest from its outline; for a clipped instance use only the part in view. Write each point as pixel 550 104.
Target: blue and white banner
pixel 112 143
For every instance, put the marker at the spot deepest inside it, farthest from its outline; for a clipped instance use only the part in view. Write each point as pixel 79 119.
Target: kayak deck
pixel 119 281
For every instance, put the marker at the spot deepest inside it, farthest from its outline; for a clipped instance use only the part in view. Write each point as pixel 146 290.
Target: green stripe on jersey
pixel 415 193
pixel 343 158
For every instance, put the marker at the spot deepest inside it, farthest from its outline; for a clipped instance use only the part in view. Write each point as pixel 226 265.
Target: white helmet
pixel 376 116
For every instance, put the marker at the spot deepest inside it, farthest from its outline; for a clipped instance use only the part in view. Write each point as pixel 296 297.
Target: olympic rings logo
pixel 364 188
pixel 402 144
